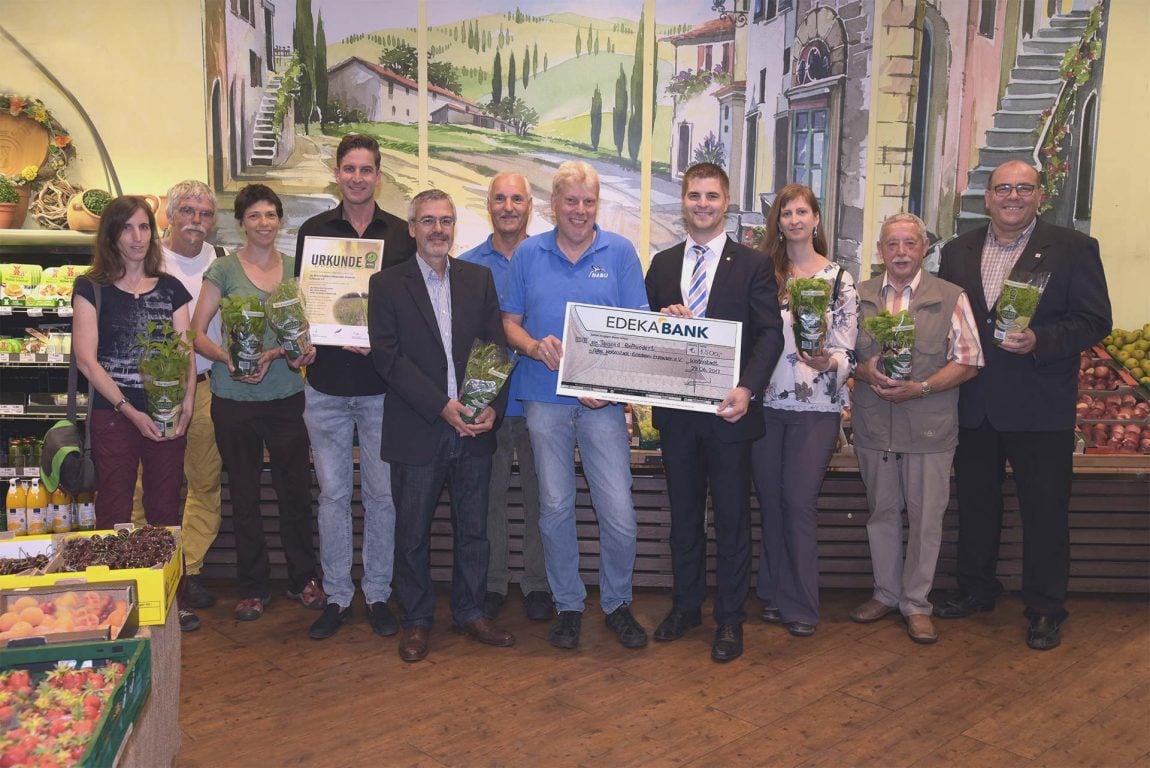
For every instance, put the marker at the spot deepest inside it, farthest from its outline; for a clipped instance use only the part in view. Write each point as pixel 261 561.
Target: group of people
pixel 971 400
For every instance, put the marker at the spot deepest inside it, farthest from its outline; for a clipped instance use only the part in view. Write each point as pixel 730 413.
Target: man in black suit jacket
pixel 423 316
pixel 724 280
pixel 1021 407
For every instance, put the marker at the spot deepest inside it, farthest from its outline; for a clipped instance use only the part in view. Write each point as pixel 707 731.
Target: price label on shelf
pixel 4 357
pixel 27 357
pixel 35 311
pixel 11 409
pixel 5 310
pixel 64 311
pixel 55 357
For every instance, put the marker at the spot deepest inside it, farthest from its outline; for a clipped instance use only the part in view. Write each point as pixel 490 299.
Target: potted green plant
pixel 9 202
pixel 164 359
pixel 85 208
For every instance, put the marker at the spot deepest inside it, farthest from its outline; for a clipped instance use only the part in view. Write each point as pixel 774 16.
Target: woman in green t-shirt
pixel 258 406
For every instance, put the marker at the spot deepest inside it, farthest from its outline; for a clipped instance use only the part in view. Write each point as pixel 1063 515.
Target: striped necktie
pixel 697 298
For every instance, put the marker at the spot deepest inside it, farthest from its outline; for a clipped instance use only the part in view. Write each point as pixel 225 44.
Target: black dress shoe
pixel 800 628
pixel 329 622
pixel 772 616
pixel 677 623
pixel 382 620
pixel 493 604
pixel 961 606
pixel 728 643
pixel 538 606
pixel 1044 633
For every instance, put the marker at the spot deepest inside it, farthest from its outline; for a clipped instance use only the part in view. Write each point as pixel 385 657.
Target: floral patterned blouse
pixel 795 386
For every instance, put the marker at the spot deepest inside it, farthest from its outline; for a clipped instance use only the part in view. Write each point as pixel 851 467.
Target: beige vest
pixel 925 425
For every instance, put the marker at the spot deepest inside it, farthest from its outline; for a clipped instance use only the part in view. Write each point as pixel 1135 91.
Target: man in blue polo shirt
pixel 576 261
pixel 509 204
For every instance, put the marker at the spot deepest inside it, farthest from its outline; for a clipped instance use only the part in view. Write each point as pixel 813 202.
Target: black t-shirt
pixel 122 318
pixel 337 371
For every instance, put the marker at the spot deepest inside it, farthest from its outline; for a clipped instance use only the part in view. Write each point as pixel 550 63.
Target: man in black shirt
pixel 345 395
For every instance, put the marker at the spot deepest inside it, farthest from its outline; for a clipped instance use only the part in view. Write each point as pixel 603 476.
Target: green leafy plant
pixel 896 335
pixel 488 368
pixel 8 193
pixel 809 299
pixel 244 326
pixel 285 314
pixel 1017 304
pixel 164 358
pixel 96 200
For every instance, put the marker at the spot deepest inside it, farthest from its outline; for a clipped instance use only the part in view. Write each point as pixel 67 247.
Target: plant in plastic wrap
pixel 809 300
pixel 488 368
pixel 164 359
pixel 244 325
pixel 1017 304
pixel 285 314
pixel 896 335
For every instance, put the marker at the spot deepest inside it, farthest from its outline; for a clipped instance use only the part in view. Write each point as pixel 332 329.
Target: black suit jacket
pixel 1035 392
pixel 408 353
pixel 744 289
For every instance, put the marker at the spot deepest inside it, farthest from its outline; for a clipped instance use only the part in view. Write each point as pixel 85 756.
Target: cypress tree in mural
pixel 535 61
pixel 497 80
pixel 304 43
pixel 596 118
pixel 544 61
pixel 635 123
pixel 526 66
pixel 578 45
pixel 511 77
pixel 321 71
pixel 619 113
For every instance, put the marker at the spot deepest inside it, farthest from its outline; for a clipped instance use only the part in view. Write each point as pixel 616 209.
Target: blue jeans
pixel 606 454
pixel 332 421
pixel 417 488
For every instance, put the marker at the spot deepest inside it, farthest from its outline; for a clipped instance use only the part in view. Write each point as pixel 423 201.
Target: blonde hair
pixel 574 172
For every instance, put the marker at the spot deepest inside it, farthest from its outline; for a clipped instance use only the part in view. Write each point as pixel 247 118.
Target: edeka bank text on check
pixel 644 357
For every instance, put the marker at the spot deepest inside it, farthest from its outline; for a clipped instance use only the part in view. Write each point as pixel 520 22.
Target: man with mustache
pixel 345 397
pixel 187 255
pixel 509 204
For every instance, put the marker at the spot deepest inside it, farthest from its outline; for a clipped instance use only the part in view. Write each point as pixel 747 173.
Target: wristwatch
pixel 925 388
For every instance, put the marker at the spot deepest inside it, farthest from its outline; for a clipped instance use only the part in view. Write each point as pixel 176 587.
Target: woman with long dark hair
pixel 134 291
pixel 803 405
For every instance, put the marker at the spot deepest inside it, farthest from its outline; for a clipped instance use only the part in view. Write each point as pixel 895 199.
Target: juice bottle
pixel 85 512
pixel 60 511
pixel 15 503
pixel 37 505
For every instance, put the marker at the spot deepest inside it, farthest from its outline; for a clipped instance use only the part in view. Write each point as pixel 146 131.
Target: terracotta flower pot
pixel 12 215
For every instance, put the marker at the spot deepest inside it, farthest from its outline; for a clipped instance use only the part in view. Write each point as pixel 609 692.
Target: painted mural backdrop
pixel 773 90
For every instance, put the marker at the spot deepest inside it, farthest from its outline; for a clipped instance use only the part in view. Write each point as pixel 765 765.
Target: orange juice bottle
pixel 85 512
pixel 37 505
pixel 15 503
pixel 60 511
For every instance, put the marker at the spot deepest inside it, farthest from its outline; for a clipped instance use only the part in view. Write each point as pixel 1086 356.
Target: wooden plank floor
pixel 263 694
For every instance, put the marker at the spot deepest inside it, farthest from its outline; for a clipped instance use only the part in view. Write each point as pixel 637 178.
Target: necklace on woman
pixel 135 289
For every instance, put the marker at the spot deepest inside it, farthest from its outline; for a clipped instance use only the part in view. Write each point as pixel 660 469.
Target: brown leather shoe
pixel 413 643
pixel 921 628
pixel 483 630
pixel 870 611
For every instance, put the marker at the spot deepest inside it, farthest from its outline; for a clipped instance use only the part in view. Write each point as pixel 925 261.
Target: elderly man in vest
pixel 906 429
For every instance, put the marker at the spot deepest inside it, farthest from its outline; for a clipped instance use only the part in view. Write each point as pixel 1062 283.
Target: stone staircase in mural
pixel 265 139
pixel 1034 86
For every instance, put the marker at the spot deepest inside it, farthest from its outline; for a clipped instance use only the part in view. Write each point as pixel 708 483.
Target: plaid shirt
pixel 965 348
pixel 998 260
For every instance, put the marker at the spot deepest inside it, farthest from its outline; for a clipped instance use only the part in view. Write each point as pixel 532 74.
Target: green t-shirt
pixel 228 275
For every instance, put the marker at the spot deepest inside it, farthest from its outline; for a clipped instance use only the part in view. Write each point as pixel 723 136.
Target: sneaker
pixel 565 631
pixel 250 608
pixel 329 622
pixel 196 595
pixel 630 633
pixel 382 620
pixel 189 621
pixel 312 595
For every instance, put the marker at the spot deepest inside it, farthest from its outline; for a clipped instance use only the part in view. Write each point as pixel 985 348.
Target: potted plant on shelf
pixel 164 359
pixel 85 208
pixel 9 202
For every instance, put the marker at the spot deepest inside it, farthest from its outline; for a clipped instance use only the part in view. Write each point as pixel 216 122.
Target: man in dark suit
pixel 710 275
pixel 423 316
pixel 1021 408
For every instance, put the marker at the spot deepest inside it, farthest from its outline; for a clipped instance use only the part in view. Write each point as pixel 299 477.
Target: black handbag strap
pixel 838 284
pixel 72 374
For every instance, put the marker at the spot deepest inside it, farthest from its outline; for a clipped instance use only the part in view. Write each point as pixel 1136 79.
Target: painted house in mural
pixel 386 97
pixel 242 89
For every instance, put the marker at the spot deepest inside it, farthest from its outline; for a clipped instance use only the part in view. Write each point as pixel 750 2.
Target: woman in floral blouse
pixel 803 404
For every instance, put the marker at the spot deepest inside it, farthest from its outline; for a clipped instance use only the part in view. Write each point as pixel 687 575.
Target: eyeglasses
pixel 429 222
pixel 1023 190
pixel 189 212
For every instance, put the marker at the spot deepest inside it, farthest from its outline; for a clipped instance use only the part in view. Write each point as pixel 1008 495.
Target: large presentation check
pixel 645 357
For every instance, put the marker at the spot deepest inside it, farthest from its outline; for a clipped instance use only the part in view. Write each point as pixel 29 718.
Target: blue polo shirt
pixel 485 255
pixel 543 280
